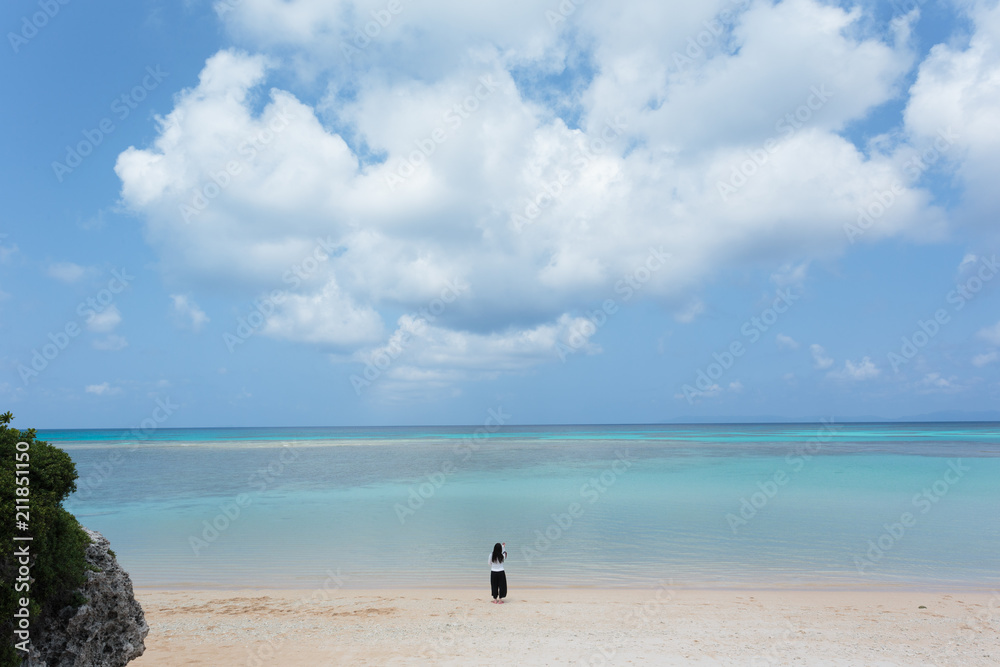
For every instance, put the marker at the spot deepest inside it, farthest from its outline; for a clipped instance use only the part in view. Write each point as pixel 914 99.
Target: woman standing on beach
pixel 498 578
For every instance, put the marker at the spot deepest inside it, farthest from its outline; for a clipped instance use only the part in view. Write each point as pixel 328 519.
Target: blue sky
pixel 583 213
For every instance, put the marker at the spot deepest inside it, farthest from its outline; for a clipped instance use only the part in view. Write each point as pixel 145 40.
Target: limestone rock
pixel 107 631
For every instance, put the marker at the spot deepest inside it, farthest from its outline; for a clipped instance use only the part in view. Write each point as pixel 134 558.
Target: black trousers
pixel 498 584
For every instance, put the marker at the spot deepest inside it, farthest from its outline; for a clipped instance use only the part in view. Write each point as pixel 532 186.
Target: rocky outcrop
pixel 107 631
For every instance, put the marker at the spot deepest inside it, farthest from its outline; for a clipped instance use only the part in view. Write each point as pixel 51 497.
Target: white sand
pixel 569 627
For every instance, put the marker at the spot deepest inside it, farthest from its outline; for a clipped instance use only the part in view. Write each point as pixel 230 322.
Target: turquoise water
pixel 735 505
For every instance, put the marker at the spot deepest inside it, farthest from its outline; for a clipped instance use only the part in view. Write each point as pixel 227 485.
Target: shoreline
pixel 762 587
pixel 413 626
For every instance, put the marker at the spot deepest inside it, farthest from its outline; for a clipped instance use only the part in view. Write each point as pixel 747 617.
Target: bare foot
pixel 499 601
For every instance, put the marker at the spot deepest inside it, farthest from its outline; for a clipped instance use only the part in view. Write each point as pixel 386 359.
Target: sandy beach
pixel 569 627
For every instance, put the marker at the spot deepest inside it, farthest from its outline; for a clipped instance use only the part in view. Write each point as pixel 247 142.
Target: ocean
pixel 912 506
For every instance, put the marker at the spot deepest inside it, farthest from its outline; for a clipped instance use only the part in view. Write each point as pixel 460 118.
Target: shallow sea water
pixel 838 505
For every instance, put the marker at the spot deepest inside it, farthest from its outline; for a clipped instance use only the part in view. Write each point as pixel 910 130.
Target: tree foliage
pixel 58 545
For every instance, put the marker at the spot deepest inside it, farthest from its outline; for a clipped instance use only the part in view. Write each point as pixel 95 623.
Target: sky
pixel 385 212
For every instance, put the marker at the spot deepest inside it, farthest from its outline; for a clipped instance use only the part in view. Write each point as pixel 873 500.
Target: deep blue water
pixel 914 505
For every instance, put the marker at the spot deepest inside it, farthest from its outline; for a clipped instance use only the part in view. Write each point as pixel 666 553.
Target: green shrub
pixel 59 543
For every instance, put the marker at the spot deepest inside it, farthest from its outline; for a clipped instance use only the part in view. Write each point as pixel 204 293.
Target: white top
pixel 497 567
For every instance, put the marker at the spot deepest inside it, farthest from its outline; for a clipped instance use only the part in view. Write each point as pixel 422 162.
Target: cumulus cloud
pixel 734 387
pixel 956 94
pixel 787 342
pixel 690 312
pixel 421 354
pixel 102 389
pixel 104 321
pixel 985 359
pixel 968 263
pixel 110 343
pixel 935 382
pixel 991 334
pixel 791 275
pixel 820 357
pixel 863 370
pixel 187 312
pixel 327 317
pixel 67 272
pixel 436 154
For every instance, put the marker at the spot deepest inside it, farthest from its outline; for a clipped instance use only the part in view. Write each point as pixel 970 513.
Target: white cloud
pixel 104 321
pixel 690 312
pixel 791 275
pixel 102 389
pixel 419 352
pixel 969 262
pixel 786 342
pixel 652 182
pixel 957 91
pixel 820 357
pixel 188 312
pixel 735 387
pixel 991 334
pixel 985 359
pixel 433 34
pixel 67 272
pixel 110 343
pixel 934 382
pixel 327 317
pixel 863 370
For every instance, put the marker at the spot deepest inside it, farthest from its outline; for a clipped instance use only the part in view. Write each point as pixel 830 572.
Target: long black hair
pixel 497 553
